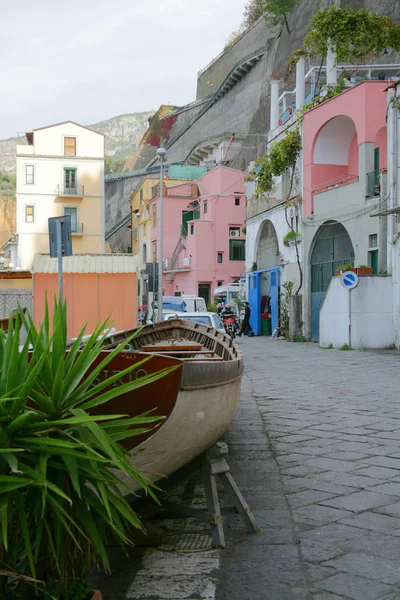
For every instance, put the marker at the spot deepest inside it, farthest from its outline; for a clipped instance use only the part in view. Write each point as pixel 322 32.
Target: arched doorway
pixel 332 248
pixel 268 247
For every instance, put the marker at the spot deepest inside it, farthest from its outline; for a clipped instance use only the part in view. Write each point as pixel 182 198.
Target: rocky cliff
pixel 123 134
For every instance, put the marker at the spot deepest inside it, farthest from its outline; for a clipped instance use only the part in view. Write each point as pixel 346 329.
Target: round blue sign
pixel 349 280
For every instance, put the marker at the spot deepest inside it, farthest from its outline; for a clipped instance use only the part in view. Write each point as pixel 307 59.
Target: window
pixel 29 174
pixel 72 212
pixel 373 240
pixel 154 215
pixel 237 249
pixel 205 208
pixel 154 191
pixel 191 228
pixel 219 283
pixel 70 146
pixel 237 201
pixel 141 195
pixel 219 257
pixel 70 180
pixel 29 213
pixel 144 253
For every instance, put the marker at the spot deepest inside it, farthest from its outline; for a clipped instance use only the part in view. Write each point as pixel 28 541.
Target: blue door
pixel 317 299
pixel 274 294
pixel 254 302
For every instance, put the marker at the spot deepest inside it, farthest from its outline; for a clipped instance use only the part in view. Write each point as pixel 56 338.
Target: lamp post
pixel 137 215
pixel 161 153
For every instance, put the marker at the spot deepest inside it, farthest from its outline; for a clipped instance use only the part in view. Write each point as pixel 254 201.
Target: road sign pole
pixel 350 318
pixel 59 257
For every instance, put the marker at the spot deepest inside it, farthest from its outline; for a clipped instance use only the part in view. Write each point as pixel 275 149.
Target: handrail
pixel 118 226
pixel 344 179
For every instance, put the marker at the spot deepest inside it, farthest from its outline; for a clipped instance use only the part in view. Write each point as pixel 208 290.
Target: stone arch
pixel 335 150
pixel 267 246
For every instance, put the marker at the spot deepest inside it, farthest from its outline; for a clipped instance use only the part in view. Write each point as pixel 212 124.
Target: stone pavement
pixel 316 451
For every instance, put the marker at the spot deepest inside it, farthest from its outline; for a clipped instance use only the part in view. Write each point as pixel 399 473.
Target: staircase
pixel 179 247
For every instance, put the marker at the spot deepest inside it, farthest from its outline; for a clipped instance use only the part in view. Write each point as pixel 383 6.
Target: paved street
pixel 315 449
pixel 327 487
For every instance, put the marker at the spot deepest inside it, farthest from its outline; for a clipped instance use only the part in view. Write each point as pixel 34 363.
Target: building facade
pixel 203 232
pixel 338 193
pixel 60 172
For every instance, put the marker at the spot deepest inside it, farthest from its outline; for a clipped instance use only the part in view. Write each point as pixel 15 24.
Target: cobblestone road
pixel 316 451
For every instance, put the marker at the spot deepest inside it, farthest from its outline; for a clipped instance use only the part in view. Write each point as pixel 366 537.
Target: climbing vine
pixel 281 158
pixel 356 35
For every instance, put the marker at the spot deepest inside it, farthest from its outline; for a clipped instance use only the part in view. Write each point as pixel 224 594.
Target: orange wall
pixel 91 297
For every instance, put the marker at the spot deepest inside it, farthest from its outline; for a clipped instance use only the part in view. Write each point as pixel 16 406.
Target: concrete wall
pixel 365 320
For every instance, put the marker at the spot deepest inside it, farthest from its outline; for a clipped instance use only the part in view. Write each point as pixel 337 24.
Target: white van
pixel 195 304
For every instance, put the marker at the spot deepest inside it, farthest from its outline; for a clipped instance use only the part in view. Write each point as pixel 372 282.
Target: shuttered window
pixel 70 146
pixel 70 180
pixel 29 174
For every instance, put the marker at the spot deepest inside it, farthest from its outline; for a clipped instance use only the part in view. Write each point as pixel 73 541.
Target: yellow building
pixel 142 246
pixel 60 172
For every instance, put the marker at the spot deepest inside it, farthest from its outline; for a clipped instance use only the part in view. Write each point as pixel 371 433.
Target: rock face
pixel 123 134
pixel 243 107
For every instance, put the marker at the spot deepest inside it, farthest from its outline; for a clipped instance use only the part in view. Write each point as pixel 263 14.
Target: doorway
pixel 332 248
pixel 263 295
pixel 205 292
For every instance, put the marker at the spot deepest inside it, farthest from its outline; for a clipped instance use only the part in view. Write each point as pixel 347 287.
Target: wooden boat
pixel 209 390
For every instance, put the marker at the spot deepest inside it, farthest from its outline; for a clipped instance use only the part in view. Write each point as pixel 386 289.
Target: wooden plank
pixel 171 347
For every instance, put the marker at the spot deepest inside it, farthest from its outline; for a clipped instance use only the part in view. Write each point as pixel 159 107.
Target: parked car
pixel 206 318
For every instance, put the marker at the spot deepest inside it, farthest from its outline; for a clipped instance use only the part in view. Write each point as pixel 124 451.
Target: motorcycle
pixel 230 325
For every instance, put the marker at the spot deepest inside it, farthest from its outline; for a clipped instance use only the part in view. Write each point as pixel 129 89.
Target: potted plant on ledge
pixel 61 493
pixel 291 237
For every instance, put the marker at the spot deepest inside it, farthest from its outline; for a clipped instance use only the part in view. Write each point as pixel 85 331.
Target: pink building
pixel 204 243
pixel 345 186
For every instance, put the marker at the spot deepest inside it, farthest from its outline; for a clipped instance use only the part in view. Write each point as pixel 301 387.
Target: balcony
pixel 77 228
pixel 182 263
pixel 373 184
pixel 76 192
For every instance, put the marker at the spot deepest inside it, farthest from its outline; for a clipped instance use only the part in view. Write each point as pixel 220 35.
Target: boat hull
pixel 207 400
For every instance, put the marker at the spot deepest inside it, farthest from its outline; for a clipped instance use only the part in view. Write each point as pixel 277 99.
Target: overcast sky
pixel 89 60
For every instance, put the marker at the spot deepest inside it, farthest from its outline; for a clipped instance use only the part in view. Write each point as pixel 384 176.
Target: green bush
pixel 61 493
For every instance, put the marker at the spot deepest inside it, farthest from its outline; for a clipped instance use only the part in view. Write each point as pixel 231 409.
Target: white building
pixel 60 172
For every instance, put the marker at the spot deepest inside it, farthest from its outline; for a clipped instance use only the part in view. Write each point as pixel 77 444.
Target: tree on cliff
pixel 276 11
pixel 253 10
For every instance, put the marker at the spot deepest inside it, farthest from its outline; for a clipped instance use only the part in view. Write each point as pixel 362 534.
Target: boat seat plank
pixel 172 347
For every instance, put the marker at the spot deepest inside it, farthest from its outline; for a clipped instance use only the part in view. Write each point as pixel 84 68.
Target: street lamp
pixel 161 154
pixel 137 215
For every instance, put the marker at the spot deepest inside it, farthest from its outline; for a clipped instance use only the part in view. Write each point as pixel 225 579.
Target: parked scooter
pixel 229 320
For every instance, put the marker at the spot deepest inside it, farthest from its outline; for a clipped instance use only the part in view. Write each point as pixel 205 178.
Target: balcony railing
pixel 183 263
pixel 373 184
pixel 77 191
pixel 77 228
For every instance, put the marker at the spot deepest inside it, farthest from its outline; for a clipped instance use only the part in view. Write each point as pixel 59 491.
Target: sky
pixel 90 60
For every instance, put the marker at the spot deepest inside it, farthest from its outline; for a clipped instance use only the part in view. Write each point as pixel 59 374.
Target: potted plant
pixel 364 270
pixel 345 267
pixel 291 237
pixel 61 494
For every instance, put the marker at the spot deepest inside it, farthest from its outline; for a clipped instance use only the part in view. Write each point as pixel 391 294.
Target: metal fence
pixel 11 299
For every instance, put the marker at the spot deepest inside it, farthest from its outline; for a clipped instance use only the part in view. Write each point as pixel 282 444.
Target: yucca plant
pixel 61 496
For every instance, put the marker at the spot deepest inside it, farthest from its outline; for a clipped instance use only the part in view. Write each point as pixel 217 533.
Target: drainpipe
pixel 392 125
pixel 331 70
pixel 300 83
pixel 274 114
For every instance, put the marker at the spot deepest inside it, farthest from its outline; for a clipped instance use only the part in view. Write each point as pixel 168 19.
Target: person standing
pixel 246 327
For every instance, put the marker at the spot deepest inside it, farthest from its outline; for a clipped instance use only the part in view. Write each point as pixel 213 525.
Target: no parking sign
pixel 349 280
